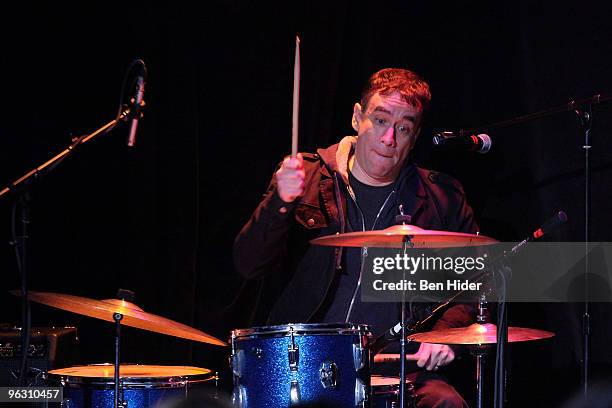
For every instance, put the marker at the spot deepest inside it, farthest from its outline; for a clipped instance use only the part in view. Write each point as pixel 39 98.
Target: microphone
pixel 550 225
pixel 140 85
pixel 386 338
pixel 475 143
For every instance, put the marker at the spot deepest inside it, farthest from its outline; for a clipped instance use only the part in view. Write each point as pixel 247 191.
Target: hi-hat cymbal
pixel 133 315
pixel 396 235
pixel 478 334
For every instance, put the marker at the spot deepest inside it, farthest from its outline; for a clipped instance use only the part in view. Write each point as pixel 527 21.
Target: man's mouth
pixel 385 155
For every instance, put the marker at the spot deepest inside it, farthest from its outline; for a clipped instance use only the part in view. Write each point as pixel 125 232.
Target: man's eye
pixel 403 129
pixel 380 121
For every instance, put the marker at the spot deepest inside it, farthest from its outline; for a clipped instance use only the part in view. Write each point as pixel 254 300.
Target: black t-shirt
pixel 375 209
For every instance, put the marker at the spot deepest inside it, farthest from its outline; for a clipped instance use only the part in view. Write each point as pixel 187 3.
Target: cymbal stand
pixel 480 351
pixel 407 243
pixel 119 403
pixel 19 188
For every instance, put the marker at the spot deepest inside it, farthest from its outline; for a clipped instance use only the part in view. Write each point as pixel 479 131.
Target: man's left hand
pixel 434 356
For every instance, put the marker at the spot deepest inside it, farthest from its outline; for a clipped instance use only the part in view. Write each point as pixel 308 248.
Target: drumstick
pixel 391 357
pixel 296 98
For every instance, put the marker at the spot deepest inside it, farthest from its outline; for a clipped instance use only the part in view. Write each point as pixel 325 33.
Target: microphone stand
pixel 497 265
pixel 572 105
pixel 19 187
pixel 586 122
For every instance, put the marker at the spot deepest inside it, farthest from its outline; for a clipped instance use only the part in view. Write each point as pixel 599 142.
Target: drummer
pixel 356 185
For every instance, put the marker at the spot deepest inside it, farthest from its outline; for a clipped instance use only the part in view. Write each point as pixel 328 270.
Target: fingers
pixel 434 356
pixel 423 353
pixel 294 163
pixel 290 178
pixel 450 356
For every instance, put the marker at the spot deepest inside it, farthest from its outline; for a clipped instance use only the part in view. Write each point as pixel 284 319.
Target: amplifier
pixel 50 347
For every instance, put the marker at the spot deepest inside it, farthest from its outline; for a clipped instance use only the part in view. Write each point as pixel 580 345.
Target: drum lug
pixel 359 356
pixel 239 396
pixel 66 403
pixel 361 395
pixel 293 351
pixel 294 393
pixel 328 374
pixel 237 363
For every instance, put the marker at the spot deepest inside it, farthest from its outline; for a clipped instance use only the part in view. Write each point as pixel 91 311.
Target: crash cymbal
pixel 478 334
pixel 394 237
pixel 133 315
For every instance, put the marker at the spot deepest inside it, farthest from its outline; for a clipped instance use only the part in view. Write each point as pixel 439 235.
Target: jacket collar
pixel 336 158
pixel 409 185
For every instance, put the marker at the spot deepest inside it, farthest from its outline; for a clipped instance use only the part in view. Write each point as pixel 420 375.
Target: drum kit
pixel 272 366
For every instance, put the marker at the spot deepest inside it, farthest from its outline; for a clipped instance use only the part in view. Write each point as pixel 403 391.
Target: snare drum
pixel 385 392
pixel 143 385
pixel 280 366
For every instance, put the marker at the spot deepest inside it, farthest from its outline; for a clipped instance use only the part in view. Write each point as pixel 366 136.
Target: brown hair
pixel 413 89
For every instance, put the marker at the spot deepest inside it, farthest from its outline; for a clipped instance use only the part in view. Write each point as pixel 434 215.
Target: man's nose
pixel 388 138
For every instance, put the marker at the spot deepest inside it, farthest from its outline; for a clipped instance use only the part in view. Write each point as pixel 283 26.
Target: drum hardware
pixel 294 393
pixel 360 355
pixel 480 337
pixel 237 363
pixel 326 363
pixel 120 312
pixel 142 385
pixel 239 396
pixel 404 236
pixel 385 392
pixel 293 352
pixel 20 189
pixel 329 374
pixel 361 393
pixel 118 394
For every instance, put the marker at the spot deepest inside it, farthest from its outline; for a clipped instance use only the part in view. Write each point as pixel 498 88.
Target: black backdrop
pixel 160 219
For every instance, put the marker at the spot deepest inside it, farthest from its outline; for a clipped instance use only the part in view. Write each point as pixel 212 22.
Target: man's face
pixel 387 131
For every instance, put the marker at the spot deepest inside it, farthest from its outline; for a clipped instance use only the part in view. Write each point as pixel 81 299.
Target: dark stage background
pixel 160 219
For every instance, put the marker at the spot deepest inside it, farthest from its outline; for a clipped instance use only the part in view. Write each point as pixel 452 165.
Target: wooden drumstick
pixel 392 357
pixel 296 98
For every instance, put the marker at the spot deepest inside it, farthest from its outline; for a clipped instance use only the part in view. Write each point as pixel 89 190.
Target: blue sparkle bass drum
pixel 301 364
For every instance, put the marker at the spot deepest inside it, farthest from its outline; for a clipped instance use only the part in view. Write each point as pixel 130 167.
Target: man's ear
pixel 357 116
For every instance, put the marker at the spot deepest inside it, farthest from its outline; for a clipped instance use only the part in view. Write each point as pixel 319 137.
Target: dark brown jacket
pixel 275 239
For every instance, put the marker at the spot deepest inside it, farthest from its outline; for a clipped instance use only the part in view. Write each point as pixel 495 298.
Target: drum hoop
pixel 388 389
pixel 385 389
pixel 304 329
pixel 168 381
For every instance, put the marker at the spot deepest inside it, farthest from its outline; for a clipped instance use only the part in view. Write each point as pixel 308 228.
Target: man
pixel 356 185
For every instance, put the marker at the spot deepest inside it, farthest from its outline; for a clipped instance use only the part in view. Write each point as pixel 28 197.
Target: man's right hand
pixel 290 178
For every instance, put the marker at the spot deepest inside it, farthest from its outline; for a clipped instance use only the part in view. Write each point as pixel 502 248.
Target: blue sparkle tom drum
pixel 143 385
pixel 293 364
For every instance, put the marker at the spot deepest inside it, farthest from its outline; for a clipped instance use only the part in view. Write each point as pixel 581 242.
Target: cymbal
pixel 394 237
pixel 478 334
pixel 133 316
